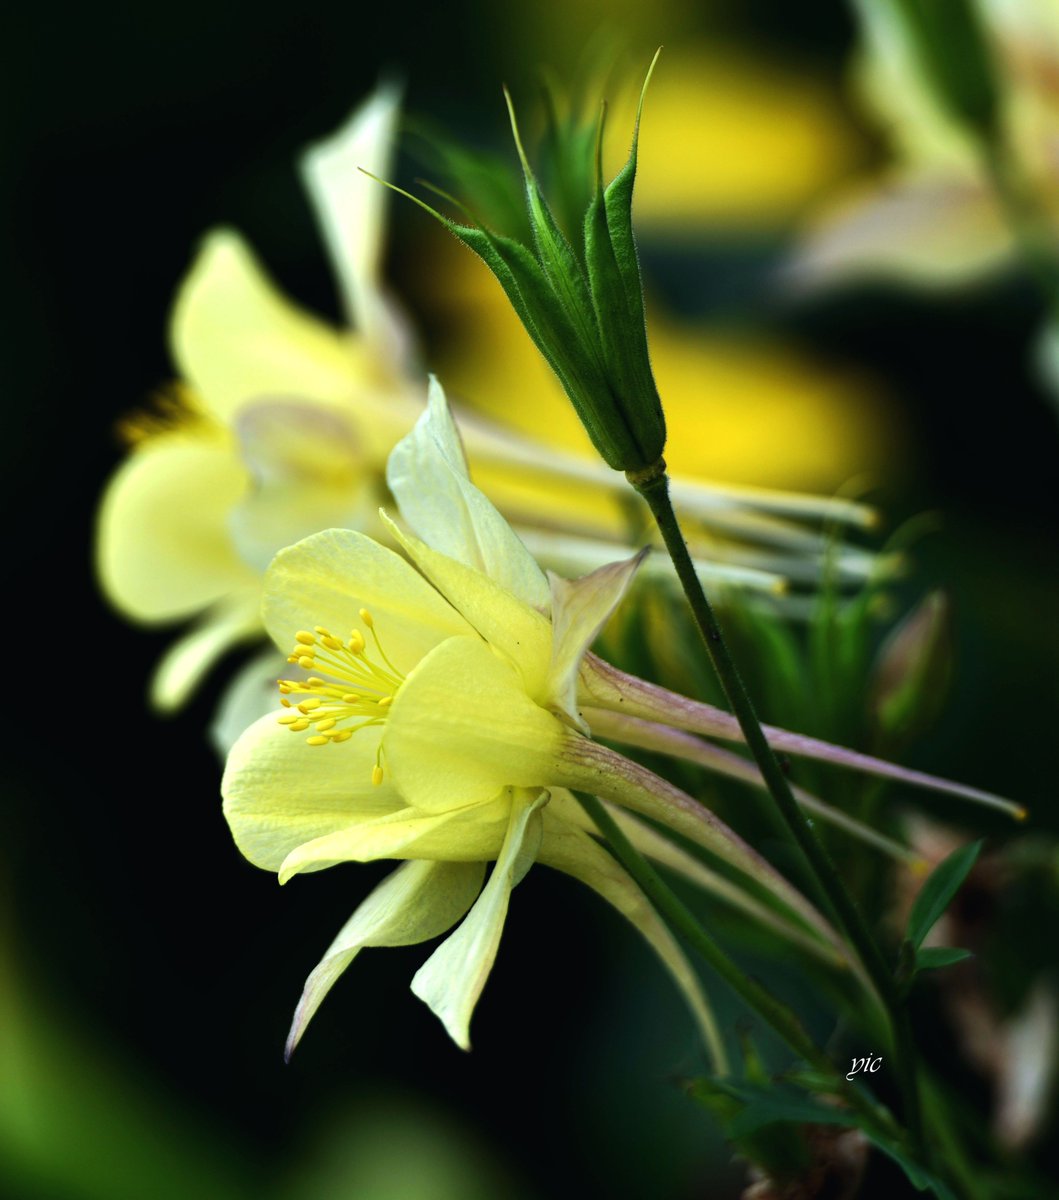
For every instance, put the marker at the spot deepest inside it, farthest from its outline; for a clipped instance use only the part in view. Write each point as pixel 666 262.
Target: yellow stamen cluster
pixel 345 685
pixel 172 408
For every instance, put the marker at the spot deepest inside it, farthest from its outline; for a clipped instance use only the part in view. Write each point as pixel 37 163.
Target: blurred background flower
pixel 129 134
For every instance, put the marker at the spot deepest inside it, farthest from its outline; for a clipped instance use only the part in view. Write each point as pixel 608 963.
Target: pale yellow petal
pixel 163 546
pixel 419 901
pixel 459 835
pixel 569 849
pixel 284 512
pixel 462 728
pixel 280 792
pixel 452 979
pixel 248 696
pixel 661 850
pixel 580 608
pixel 507 623
pixel 328 578
pixel 350 206
pixel 189 658
pixel 427 474
pixel 235 338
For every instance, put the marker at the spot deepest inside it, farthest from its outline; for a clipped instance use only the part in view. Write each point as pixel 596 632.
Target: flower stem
pixel 671 908
pixel 653 486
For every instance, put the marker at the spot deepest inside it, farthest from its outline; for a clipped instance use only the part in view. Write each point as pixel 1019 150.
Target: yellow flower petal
pixel 419 901
pixel 280 792
pixel 163 546
pixel 427 473
pixel 282 513
pixel 460 835
pixel 248 696
pixel 328 578
pixel 452 978
pixel 507 623
pixel 462 728
pixel 350 207
pixel 580 609
pixel 568 849
pixel 235 338
pixel 189 658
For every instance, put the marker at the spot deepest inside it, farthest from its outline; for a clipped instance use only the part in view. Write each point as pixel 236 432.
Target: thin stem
pixel 779 1017
pixel 653 485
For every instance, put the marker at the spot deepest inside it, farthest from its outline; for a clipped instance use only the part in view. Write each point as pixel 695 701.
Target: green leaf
pixel 762 1108
pixel 931 957
pixel 944 882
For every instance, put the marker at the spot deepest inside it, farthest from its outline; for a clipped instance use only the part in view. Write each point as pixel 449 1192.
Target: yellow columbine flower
pixel 282 424
pixel 432 714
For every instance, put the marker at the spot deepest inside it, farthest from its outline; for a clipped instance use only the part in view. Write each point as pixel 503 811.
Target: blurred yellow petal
pixel 350 207
pixel 189 658
pixel 748 410
pixel 419 901
pixel 452 978
pixel 731 140
pixel 163 546
pixel 462 728
pixel 235 338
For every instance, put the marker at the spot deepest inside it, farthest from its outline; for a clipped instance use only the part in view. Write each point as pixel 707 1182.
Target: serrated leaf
pixel 936 894
pixel 931 957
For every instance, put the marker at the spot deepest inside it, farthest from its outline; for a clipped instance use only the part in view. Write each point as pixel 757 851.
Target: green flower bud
pixel 581 301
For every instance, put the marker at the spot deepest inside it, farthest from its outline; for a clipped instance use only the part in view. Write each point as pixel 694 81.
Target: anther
pixel 366 617
pixel 376 773
pixel 304 637
pixel 317 741
pixel 356 642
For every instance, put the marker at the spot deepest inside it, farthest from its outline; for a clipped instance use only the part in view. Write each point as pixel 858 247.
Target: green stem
pixel 653 485
pixel 672 909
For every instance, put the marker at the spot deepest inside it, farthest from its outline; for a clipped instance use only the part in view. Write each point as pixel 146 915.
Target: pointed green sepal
pixel 582 305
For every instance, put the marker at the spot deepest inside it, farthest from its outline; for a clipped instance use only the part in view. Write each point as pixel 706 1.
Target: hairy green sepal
pixel 583 305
